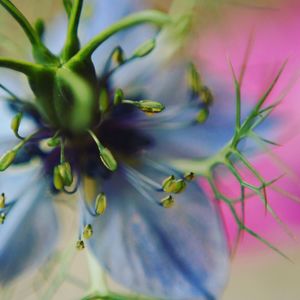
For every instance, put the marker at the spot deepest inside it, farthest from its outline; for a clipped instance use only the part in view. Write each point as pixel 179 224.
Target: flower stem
pixel 24 67
pixel 72 41
pixel 149 16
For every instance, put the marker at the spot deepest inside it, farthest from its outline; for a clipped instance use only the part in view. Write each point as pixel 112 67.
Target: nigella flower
pixel 112 135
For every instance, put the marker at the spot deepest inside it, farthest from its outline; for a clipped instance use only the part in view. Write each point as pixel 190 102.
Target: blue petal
pixel 29 232
pixel 177 253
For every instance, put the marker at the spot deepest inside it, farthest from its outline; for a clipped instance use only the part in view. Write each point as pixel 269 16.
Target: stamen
pixel 62 176
pixel 15 124
pixel 103 101
pixel 171 185
pixel 202 115
pixel 167 202
pixel 55 140
pixel 2 201
pixel 118 56
pixel 105 155
pixel 189 176
pixel 147 106
pixel 100 204
pixel 206 95
pixel 7 159
pixel 144 180
pixel 88 231
pixel 80 245
pixel 144 49
pixel 2 218
pixel 119 97
pixel 194 81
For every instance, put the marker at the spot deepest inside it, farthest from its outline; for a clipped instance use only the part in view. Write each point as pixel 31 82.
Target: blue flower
pixel 148 224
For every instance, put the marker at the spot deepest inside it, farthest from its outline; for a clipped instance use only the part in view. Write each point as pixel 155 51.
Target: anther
pixel 54 141
pixel 147 106
pixel 193 79
pixel 2 218
pixel 62 176
pixel 2 201
pixel 105 155
pixel 145 48
pixel 100 204
pixel 108 159
pixel 119 97
pixel 80 245
pixel 15 124
pixel 118 56
pixel 206 95
pixel 87 231
pixel 103 101
pixel 202 115
pixel 7 159
pixel 167 182
pixel 189 176
pixel 171 185
pixel 167 202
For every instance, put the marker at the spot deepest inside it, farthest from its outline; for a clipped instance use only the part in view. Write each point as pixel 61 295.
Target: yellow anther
pixel 189 176
pixel 167 202
pixel 2 218
pixel 145 48
pixel 2 200
pixel 15 123
pixel 88 231
pixel 206 95
pixel 202 115
pixel 80 245
pixel 171 185
pixel 7 159
pixel 108 159
pixel 101 204
pixel 118 56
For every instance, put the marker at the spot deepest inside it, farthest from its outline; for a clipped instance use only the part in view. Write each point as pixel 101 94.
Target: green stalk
pixel 24 67
pixel 72 41
pixel 148 16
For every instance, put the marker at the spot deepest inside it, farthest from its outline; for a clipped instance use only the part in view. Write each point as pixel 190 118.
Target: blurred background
pixel 269 31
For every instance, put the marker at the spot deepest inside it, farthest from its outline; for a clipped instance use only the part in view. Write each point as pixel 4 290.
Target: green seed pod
pixel 145 49
pixel 167 202
pixel 108 159
pixel 7 159
pixel 100 204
